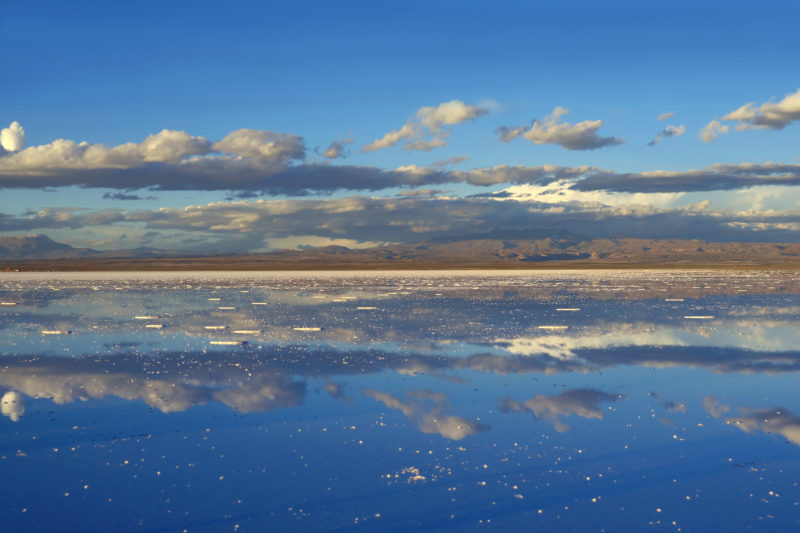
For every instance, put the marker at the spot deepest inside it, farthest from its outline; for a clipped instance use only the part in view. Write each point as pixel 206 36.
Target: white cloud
pixel 262 145
pixel 424 131
pixel 551 130
pixel 12 138
pixel 355 220
pixel 769 115
pixel 669 131
pixel 448 113
pixel 712 130
pixel 665 116
pixel 390 139
pixel 168 146
pixel 563 192
pixel 337 149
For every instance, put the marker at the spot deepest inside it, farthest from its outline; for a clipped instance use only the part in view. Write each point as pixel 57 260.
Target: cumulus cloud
pixel 425 409
pixel 665 116
pixel 712 130
pixel 584 403
pixel 337 149
pixel 12 138
pixel 450 161
pixel 669 131
pixel 249 162
pixel 769 115
pixel 168 146
pixel 551 130
pixel 426 129
pixel 268 146
pixel 168 160
pixel 716 177
pixel 126 196
pixel 241 226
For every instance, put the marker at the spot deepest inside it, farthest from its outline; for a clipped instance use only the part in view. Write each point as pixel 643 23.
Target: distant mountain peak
pixel 40 246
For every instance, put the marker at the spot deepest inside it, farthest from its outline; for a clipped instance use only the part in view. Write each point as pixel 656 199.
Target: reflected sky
pixel 386 401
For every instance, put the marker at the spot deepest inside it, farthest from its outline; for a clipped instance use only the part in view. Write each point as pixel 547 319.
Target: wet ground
pixel 585 401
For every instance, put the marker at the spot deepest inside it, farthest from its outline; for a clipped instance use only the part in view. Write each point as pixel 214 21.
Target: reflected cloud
pixel 579 402
pixel 425 409
pixel 338 391
pixel 270 393
pixel 753 334
pixel 715 407
pixel 669 405
pixel 12 405
pixel 169 384
pixel 567 346
pixel 776 420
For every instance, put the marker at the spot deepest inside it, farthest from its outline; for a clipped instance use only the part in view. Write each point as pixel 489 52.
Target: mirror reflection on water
pixel 586 400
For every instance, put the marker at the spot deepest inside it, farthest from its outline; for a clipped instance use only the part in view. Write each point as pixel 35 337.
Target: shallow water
pixel 591 401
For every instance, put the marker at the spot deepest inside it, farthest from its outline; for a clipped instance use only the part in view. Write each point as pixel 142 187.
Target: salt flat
pixel 585 400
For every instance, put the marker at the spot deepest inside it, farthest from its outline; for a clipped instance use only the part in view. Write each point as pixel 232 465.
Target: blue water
pixel 586 401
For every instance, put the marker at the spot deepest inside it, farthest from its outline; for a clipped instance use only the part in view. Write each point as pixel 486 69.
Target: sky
pixel 251 126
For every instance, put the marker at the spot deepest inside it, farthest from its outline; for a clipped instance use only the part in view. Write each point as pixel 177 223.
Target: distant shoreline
pixel 219 264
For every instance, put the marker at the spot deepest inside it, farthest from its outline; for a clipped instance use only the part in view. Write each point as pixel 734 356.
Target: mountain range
pixel 496 249
pixel 43 247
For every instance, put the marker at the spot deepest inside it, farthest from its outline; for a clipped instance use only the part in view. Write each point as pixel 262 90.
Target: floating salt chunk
pixel 8 303
pixel 246 331
pixel 307 329
pixel 228 343
pixel 568 308
pixel 146 317
pixel 259 303
pixel 216 328
pixel 55 332
pixel 366 308
pixel 552 327
pixel 154 326
pixel 673 299
pixel 699 317
pixel 226 308
pixel 214 299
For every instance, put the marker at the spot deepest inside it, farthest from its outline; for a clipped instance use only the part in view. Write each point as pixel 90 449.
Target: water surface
pixel 594 401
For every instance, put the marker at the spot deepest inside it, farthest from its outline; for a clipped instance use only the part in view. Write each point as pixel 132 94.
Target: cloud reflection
pixel 579 402
pixel 425 408
pixel 776 420
pixel 169 384
pixel 12 405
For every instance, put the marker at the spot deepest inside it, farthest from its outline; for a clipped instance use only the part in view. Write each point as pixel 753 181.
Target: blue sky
pixel 315 72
